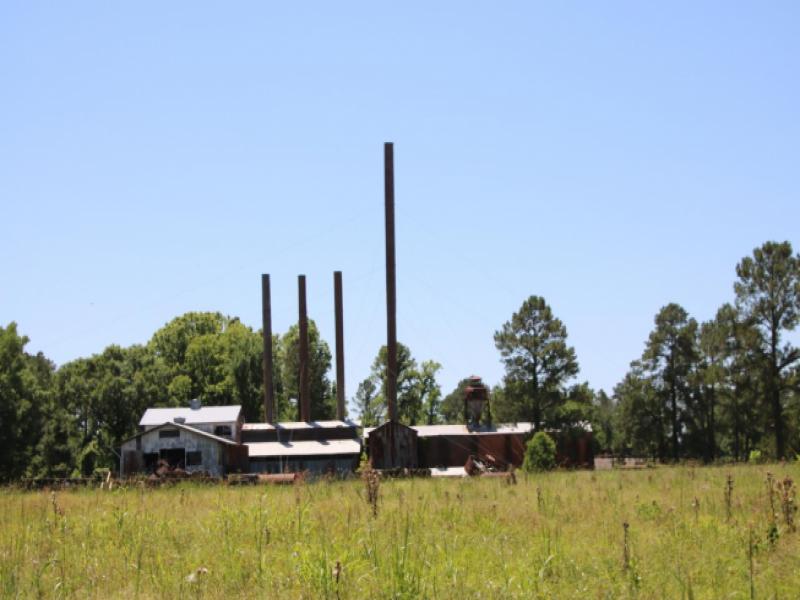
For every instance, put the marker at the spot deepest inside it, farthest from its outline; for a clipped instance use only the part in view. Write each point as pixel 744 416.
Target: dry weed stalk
pixel 373 482
pixel 788 495
pixel 771 495
pixel 751 570
pixel 729 497
pixel 57 510
pixel 626 553
pixel 511 478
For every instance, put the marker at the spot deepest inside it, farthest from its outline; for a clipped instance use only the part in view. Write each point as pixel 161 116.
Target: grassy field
pixel 558 535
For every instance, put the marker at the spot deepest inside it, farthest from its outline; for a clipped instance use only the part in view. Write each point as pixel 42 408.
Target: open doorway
pixel 175 457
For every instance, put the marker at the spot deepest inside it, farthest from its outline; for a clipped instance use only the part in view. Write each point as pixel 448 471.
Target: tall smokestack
pixel 266 319
pixel 391 293
pixel 305 395
pixel 339 310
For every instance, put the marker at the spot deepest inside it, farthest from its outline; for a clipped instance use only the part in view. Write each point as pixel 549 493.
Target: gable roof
pixel 194 430
pixel 204 414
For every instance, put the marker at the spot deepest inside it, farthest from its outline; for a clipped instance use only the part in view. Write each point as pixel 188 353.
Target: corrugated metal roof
pixel 204 414
pixel 434 430
pixel 305 448
pixel 299 425
pixel 216 438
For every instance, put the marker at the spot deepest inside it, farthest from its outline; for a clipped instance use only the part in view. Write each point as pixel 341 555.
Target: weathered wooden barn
pixel 392 445
pixel 184 447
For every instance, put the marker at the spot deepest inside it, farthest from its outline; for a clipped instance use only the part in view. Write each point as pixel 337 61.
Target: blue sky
pixel 155 158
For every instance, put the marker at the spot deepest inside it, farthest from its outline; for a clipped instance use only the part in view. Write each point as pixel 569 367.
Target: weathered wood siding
pixel 393 446
pixel 211 452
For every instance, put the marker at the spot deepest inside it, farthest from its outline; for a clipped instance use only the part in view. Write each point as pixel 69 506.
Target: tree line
pixel 71 420
pixel 723 388
pixel 728 387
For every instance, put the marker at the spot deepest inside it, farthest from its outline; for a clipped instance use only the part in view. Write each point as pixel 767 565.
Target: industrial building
pixel 316 446
pixel 194 439
pixel 217 440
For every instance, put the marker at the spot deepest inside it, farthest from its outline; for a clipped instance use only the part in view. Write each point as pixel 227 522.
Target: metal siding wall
pixel 315 464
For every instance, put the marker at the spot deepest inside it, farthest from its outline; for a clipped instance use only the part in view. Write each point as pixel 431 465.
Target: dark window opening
pixel 150 460
pixel 169 433
pixel 222 430
pixel 194 458
pixel 174 457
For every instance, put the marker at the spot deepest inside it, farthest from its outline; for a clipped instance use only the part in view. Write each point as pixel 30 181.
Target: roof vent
pixel 195 404
pixel 180 420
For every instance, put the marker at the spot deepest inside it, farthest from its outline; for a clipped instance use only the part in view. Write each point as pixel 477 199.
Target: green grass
pixel 554 535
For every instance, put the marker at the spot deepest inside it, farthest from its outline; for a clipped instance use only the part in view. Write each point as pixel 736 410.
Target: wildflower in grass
pixel 337 571
pixel 196 575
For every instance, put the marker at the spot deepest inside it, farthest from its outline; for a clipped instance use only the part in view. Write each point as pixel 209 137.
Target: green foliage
pixel 214 358
pixel 323 396
pixel 724 388
pixel 538 362
pixel 429 392
pixel 669 357
pixel 452 406
pixel 540 453
pixel 418 393
pixel 73 421
pixel 368 403
pixel 553 535
pixel 768 296
pixel 171 342
pixel 24 392
pixel 603 422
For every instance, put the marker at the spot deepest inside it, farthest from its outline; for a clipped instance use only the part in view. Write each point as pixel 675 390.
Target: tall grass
pixel 688 535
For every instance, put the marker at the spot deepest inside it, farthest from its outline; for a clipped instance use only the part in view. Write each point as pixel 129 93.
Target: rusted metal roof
pixel 436 430
pixel 299 425
pixel 204 414
pixel 304 448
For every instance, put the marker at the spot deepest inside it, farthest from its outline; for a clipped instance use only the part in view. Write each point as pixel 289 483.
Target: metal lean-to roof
pixel 204 414
pixel 298 425
pixel 435 430
pixel 304 448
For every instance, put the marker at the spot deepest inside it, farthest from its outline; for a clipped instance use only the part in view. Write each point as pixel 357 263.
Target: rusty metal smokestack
pixel 266 318
pixel 305 396
pixel 391 293
pixel 339 310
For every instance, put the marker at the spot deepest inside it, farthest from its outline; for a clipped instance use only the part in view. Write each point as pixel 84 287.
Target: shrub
pixel 755 456
pixel 540 453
